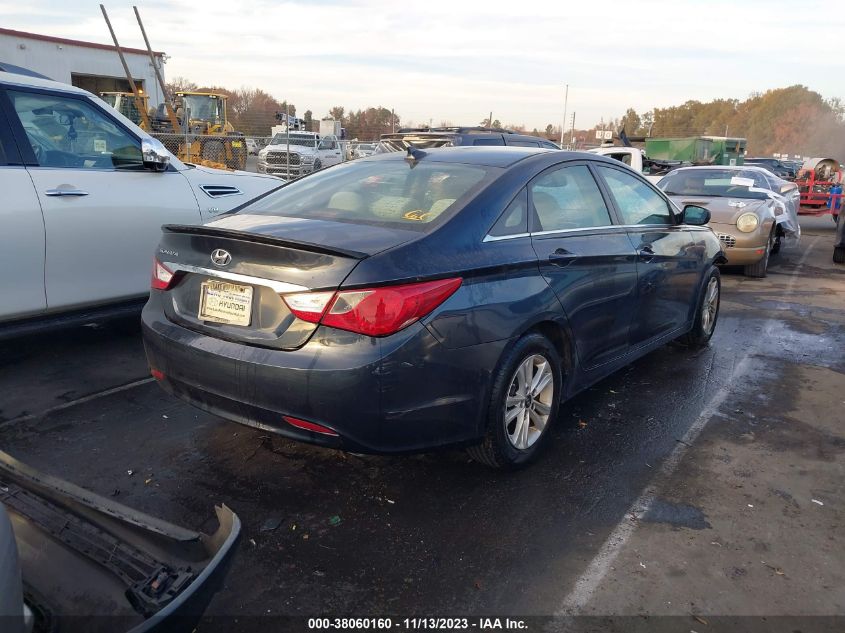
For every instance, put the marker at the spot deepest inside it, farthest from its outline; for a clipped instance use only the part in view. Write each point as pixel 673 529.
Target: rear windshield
pixel 382 193
pixel 720 183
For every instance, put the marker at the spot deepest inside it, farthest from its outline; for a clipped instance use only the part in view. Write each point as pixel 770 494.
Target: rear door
pixel 668 264
pixel 102 210
pixel 589 263
pixel 21 236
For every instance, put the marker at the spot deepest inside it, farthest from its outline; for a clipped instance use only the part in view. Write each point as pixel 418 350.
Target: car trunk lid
pixel 230 275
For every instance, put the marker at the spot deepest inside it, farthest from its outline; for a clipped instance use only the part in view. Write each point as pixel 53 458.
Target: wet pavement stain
pixel 676 515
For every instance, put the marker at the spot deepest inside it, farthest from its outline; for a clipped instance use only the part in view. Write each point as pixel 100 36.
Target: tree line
pixel 794 120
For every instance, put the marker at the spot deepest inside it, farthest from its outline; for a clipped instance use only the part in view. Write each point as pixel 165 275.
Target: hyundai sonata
pixel 448 297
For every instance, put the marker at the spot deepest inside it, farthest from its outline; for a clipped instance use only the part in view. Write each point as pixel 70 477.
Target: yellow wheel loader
pixel 125 103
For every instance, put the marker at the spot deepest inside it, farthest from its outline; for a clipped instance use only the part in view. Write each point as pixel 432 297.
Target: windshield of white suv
pixel 303 140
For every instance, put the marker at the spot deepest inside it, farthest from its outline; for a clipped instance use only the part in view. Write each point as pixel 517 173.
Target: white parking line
pixel 586 585
pixel 73 403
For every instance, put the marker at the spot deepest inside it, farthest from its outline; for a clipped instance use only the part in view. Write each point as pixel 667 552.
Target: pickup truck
pixel 299 154
pixel 85 192
pixel 635 158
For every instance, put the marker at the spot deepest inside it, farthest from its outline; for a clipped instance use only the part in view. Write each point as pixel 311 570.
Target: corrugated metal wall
pixel 92 67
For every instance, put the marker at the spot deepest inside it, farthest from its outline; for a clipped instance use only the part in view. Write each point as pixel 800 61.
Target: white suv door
pixel 21 236
pixel 102 210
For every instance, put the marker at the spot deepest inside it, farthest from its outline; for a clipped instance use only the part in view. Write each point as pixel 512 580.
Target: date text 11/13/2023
pixel 427 623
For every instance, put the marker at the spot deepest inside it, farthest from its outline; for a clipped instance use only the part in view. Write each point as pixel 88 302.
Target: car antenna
pixel 414 155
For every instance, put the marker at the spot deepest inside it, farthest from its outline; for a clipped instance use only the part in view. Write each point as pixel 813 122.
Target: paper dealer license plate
pixel 224 302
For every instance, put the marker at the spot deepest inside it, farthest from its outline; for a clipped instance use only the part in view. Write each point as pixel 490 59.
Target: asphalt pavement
pixel 697 485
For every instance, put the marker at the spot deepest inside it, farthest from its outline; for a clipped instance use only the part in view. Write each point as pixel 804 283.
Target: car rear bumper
pixel 92 564
pixel 402 393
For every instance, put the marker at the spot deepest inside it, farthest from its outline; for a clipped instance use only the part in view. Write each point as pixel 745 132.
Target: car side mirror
pixel 696 216
pixel 154 154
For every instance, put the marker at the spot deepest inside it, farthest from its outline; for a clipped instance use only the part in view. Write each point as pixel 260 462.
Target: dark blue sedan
pixel 448 297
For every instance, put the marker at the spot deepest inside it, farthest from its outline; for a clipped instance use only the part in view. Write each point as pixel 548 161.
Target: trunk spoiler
pixel 258 238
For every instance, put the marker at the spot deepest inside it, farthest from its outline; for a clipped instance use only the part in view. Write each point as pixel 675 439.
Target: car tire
pixel 513 436
pixel 706 311
pixel 778 241
pixel 760 268
pixel 318 165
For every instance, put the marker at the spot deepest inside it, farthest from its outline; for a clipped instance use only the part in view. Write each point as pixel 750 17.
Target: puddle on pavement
pixel 676 515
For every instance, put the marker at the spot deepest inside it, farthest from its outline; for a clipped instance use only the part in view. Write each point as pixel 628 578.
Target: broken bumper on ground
pixel 91 564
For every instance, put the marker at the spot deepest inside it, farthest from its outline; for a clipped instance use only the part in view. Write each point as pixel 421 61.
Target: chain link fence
pixel 223 151
pixel 277 155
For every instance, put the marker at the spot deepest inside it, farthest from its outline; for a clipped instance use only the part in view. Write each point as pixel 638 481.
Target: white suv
pixel 85 192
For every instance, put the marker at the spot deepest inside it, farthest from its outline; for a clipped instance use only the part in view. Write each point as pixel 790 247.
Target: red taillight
pixel 155 373
pixel 372 311
pixel 308 426
pixel 162 276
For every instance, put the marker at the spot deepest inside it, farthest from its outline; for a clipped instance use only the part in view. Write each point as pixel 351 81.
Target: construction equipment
pixel 209 137
pixel 192 125
pixel 136 93
pixel 698 150
pixel 126 104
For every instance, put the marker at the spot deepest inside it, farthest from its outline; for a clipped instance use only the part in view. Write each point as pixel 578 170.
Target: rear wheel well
pixel 559 338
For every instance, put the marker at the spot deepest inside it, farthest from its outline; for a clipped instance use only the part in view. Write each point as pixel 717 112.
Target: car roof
pixel 724 167
pixel 491 155
pixel 16 79
pixel 454 129
pixel 472 132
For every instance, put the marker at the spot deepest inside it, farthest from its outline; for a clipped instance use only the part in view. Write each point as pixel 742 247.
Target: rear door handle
pixel 562 257
pixel 65 192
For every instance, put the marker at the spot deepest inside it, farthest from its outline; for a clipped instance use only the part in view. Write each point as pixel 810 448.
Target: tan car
pixel 751 210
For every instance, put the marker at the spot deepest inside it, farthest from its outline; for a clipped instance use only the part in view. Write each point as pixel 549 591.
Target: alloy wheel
pixel 529 401
pixel 710 306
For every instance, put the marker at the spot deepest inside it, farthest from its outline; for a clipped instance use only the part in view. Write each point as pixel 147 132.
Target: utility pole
pixel 572 131
pixel 490 120
pixel 287 134
pixel 392 121
pixel 563 125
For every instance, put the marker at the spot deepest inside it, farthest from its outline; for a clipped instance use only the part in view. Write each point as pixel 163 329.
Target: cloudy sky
pixel 456 60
